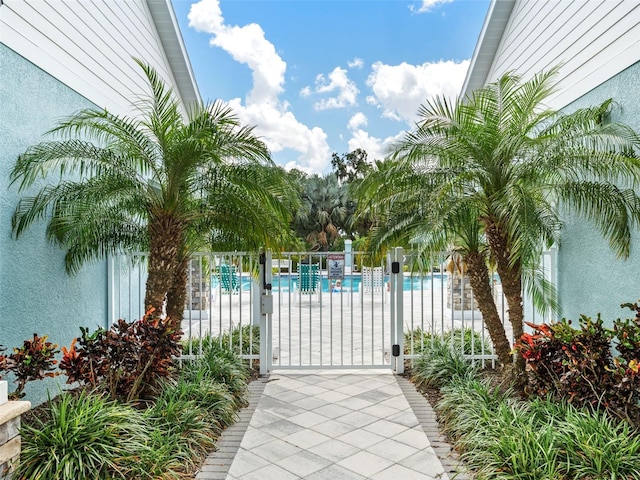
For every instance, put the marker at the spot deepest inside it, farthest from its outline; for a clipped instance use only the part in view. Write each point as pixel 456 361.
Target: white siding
pixel 592 39
pixel 88 45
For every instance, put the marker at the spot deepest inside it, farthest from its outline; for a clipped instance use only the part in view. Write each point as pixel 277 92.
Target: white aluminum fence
pixel 360 313
pixel 222 290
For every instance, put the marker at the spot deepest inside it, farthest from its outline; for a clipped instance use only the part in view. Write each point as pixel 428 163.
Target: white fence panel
pixel 324 309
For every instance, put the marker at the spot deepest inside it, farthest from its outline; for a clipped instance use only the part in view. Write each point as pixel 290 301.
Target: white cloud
pixel 375 147
pixel 358 120
pixel 399 89
pixel 280 130
pixel 428 5
pixel 262 107
pixel 356 63
pixel 336 81
pixel 305 92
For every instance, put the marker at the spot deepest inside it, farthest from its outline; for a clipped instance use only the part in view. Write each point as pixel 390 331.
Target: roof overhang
pixel 488 42
pixel 167 26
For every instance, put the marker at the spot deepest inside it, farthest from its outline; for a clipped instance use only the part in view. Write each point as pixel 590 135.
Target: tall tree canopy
pixel 158 181
pixel 322 211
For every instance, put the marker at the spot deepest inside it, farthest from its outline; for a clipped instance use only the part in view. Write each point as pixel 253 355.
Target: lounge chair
pixel 308 282
pixel 229 280
pixel 372 282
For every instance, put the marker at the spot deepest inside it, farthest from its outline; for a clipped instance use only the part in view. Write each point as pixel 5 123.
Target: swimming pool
pixel 284 283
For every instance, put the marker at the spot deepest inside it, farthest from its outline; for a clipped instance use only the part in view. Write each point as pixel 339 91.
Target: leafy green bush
pixel 627 333
pixel 167 436
pixel 464 341
pixel 190 412
pixel 181 430
pixel 85 436
pixel 502 437
pixel 210 396
pixel 439 364
pixel 223 366
pixel 243 340
pixel 597 446
pixel 468 402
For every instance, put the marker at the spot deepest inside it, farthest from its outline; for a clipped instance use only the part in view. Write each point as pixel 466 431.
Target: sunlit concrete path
pixel 333 424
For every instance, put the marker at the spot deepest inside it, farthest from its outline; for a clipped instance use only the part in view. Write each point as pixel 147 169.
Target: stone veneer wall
pixel 10 413
pixel 462 295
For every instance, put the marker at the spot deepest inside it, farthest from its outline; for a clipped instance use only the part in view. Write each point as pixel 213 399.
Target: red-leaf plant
pixel 578 365
pixel 35 360
pixel 127 361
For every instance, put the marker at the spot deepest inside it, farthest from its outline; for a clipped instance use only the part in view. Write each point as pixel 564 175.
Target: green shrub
pixel 627 333
pixel 223 366
pixel 167 437
pixel 598 446
pixel 439 364
pixel 502 437
pixel 464 341
pixel 243 340
pixel 210 396
pixel 468 402
pixel 181 429
pixel 85 436
pixel 514 443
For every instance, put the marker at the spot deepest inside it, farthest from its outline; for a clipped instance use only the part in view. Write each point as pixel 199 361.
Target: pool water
pixel 284 283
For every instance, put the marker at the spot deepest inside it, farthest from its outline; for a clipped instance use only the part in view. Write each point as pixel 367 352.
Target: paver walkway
pixel 333 425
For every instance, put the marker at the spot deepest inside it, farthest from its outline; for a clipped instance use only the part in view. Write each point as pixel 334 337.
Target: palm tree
pixel 160 181
pixel 512 165
pixel 323 211
pixel 408 215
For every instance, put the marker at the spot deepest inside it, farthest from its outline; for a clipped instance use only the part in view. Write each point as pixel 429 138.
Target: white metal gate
pixel 329 311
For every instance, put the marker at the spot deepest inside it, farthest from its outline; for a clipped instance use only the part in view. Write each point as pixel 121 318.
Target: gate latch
pixel 395 350
pixel 266 305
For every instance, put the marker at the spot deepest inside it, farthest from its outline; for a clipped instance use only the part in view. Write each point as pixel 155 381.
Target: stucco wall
pixel 590 278
pixel 36 295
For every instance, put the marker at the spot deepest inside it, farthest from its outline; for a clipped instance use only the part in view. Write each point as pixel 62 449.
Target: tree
pixel 160 181
pixel 410 215
pixel 350 166
pixel 513 165
pixel 322 212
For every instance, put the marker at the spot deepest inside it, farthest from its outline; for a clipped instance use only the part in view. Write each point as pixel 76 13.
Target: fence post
pixel 399 324
pixel 393 279
pixel 266 310
pixel 111 291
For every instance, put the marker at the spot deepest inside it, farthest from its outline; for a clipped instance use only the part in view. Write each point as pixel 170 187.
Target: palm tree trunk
pixel 165 233
pixel 481 287
pixel 177 294
pixel 511 278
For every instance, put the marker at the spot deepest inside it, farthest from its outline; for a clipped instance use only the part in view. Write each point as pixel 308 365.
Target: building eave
pixel 169 31
pixel 484 54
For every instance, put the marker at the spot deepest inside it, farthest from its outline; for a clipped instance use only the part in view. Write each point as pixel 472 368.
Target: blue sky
pixel 323 76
